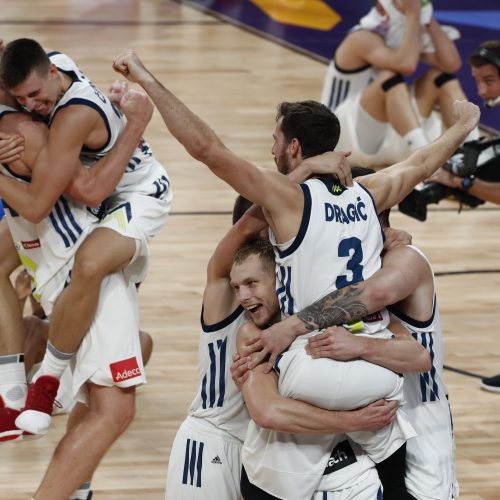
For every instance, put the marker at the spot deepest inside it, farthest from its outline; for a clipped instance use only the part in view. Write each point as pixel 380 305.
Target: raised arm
pixel 281 199
pixel 219 299
pixel 367 47
pixel 390 185
pixel 445 56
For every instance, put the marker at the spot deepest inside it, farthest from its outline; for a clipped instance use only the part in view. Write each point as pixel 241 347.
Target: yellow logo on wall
pixel 314 14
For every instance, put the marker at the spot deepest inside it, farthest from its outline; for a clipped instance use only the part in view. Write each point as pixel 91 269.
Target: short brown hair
pixel 19 59
pixel 313 124
pixel 262 248
pixel 487 53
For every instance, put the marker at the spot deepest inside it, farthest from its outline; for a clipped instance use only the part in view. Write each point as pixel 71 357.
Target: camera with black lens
pixel 480 158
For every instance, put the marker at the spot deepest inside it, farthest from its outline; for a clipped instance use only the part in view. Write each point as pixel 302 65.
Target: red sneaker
pixel 8 428
pixel 36 416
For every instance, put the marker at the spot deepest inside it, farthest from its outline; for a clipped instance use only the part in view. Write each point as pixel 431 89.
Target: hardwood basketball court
pixel 234 79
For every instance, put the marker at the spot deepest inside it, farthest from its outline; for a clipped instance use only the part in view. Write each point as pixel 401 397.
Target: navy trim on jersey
pixel 284 292
pixel 350 71
pixel 413 322
pixel 329 183
pixel 90 104
pixel 306 215
pixel 221 324
pixel 132 163
pixel 64 223
pixel 54 53
pixel 276 367
pixel 429 388
pixel 70 215
pixel 375 207
pixel 69 72
pixel 7 111
pixel 162 185
pixel 17 176
pixel 58 230
pixel 217 353
pixel 338 93
pixel 126 206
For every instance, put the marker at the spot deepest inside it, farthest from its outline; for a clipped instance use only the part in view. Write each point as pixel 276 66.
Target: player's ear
pixel 52 69
pixel 295 147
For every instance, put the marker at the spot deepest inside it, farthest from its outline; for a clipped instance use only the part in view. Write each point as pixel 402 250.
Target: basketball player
pixel 101 366
pixel 83 124
pixel 351 471
pixel 287 207
pixel 205 460
pixel 406 281
pixel 12 370
pixel 382 120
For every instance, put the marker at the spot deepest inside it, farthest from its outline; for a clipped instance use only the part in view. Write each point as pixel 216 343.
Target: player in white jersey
pixel 405 280
pixel 365 87
pixel 286 462
pixel 309 131
pixel 430 457
pixel 205 460
pixel 107 368
pixel 83 124
pixel 430 471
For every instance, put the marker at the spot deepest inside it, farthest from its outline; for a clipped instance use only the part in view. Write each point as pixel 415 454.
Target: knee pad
pixel 443 78
pixel 392 81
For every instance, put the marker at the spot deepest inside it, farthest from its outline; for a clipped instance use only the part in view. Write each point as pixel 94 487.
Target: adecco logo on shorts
pixel 123 370
pixel 28 245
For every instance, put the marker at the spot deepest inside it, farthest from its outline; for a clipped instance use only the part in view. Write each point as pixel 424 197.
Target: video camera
pixel 467 160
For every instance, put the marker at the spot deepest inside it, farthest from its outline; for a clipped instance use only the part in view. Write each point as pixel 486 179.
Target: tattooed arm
pixel 393 283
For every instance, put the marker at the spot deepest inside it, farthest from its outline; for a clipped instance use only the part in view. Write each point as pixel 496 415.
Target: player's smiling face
pixel 38 93
pixel 254 286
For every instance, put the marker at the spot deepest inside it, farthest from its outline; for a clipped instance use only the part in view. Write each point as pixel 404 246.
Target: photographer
pixel 472 175
pixel 485 184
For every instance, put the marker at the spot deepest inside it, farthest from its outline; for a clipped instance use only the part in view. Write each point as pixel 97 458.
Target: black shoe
pixel 491 384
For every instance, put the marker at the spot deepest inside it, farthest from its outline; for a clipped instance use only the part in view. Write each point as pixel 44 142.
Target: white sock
pixel 54 362
pixel 13 380
pixel 81 493
pixel 416 139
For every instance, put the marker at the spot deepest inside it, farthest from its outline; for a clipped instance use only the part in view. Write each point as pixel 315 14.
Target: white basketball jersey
pixel 338 244
pixel 429 456
pixel 46 248
pixel 293 466
pixel 143 173
pixel 340 85
pixel 218 400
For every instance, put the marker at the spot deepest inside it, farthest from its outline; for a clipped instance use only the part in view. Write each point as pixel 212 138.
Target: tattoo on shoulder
pixel 336 308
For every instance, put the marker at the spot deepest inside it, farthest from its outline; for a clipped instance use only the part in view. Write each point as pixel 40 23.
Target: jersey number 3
pixel 351 247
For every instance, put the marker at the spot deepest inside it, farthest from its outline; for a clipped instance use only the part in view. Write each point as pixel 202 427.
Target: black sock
pixel 251 492
pixel 391 472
